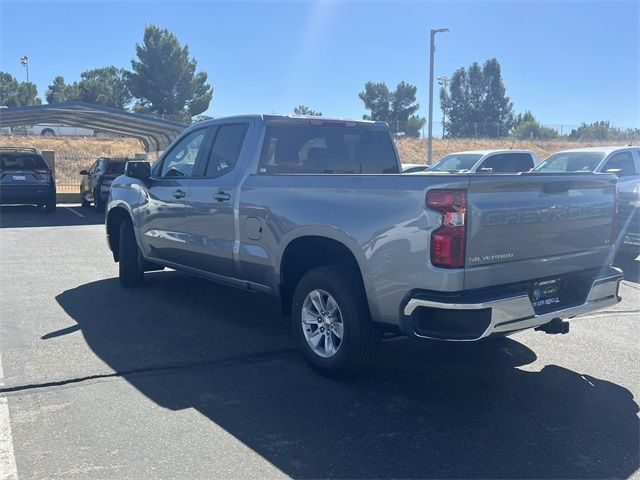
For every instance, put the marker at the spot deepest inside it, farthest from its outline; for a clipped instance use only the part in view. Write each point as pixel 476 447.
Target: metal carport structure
pixel 154 133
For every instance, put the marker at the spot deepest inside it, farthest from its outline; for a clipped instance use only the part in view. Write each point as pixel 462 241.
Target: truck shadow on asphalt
pixel 423 410
pixel 24 216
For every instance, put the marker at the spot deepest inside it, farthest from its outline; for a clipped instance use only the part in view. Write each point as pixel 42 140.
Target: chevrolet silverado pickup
pixel 317 212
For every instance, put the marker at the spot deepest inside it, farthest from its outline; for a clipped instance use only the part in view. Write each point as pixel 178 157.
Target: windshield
pixel 570 162
pixel 116 167
pixel 455 162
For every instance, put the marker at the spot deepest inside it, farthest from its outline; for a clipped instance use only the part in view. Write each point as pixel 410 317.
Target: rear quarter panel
pixel 382 219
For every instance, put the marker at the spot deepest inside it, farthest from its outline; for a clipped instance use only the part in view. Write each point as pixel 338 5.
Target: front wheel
pixel 331 322
pixel 130 271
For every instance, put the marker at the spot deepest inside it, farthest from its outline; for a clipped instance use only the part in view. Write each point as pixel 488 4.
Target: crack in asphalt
pixel 162 370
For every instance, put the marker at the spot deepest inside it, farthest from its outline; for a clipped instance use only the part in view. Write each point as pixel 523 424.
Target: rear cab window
pixel 116 167
pixel 326 147
pixel 226 148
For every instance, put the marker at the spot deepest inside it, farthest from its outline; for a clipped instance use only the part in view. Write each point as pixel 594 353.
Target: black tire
pixel 97 202
pixel 360 338
pixel 130 272
pixel 84 201
pixel 50 205
pixel 47 132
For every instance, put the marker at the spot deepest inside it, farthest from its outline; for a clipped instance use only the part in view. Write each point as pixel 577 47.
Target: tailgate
pixel 531 226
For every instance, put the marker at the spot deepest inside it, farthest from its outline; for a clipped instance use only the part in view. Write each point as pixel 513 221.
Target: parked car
pixel 95 183
pixel 486 161
pixel 310 210
pixel 625 163
pixel 56 129
pixel 25 178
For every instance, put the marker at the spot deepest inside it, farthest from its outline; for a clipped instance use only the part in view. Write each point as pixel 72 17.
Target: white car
pixel 622 161
pixel 56 129
pixel 486 161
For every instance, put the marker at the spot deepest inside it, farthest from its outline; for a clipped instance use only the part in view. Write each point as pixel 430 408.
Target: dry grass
pixel 76 153
pixel 87 146
pixel 413 150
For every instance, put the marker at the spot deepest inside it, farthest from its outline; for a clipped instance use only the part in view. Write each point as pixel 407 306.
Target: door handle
pixel 179 194
pixel 222 196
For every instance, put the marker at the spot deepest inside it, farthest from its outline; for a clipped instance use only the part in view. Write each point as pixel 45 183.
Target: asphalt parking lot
pixel 187 379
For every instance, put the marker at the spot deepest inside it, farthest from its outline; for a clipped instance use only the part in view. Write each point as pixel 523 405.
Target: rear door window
pixel 323 149
pixel 226 148
pixel 622 163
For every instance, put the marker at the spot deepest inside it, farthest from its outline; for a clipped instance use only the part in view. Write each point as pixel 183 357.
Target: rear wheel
pixel 130 271
pixel 98 203
pixel 47 132
pixel 331 322
pixel 50 204
pixel 85 202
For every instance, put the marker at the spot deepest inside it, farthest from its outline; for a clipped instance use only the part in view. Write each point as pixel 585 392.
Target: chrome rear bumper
pixel 517 313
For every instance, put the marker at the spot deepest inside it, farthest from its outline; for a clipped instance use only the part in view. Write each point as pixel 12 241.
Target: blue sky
pixel 568 61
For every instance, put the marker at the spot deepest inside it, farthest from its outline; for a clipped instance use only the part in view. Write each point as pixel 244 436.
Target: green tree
pixel 59 91
pixel 532 129
pixel 402 107
pixel 398 108
pixel 164 78
pixel 527 127
pixel 105 86
pixel 304 110
pixel 376 99
pixel 476 103
pixel 17 94
pixel 521 118
pixel 602 130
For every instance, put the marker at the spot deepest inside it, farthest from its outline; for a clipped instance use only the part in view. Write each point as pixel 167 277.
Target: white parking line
pixel 8 469
pixel 73 211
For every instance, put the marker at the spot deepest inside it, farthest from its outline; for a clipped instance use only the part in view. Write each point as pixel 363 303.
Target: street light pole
pixel 432 52
pixel 24 60
pixel 443 81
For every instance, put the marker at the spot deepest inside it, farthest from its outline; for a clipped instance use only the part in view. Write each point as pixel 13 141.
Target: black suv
pixel 96 183
pixel 25 178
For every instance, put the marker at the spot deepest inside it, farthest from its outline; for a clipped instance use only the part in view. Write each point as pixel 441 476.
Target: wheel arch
pixel 310 249
pixel 114 219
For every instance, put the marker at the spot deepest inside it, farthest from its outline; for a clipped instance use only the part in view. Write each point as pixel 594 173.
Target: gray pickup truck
pixel 316 212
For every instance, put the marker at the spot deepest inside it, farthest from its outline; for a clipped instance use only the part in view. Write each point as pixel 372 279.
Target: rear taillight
pixel 448 240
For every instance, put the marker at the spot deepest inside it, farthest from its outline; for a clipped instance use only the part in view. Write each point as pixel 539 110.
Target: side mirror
pixel 84 172
pixel 138 169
